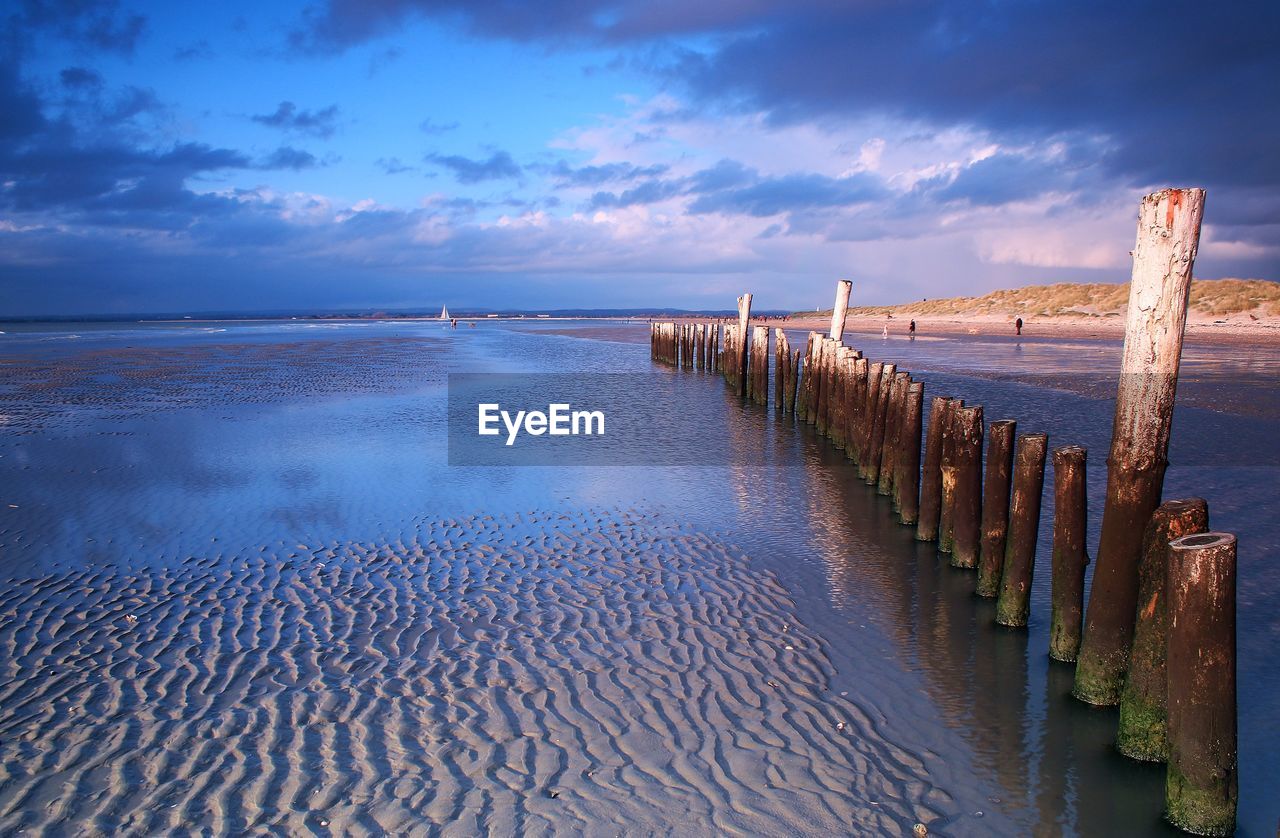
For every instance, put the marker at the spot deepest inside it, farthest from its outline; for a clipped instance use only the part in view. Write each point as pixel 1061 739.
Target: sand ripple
pixel 596 672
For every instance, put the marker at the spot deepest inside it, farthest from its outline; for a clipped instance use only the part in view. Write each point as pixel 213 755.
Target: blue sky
pixel 408 153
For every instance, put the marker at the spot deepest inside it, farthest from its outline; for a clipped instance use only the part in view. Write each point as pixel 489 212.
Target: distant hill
pixel 1209 298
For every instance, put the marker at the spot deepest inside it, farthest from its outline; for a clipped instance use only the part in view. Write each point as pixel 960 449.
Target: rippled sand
pixel 604 672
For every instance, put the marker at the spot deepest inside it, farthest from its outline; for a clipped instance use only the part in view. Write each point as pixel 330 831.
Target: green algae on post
pixel 1201 783
pixel 1143 731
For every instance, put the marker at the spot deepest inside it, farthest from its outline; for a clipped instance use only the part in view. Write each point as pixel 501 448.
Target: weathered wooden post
pixel 841 309
pixel 995 505
pixel 892 431
pixel 881 408
pixel 810 390
pixel 1143 703
pixel 782 363
pixel 760 347
pixel 875 374
pixel 931 471
pixel 1014 604
pixel 947 515
pixel 1070 519
pixel 1201 786
pixel 1168 235
pixel 714 361
pixel 906 487
pixel 744 320
pixel 967 521
pixel 793 390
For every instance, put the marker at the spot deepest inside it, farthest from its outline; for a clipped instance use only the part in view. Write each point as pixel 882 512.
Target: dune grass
pixel 1212 297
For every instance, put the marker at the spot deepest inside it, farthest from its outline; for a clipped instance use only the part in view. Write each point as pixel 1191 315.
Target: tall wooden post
pixel 1144 705
pixel 887 372
pixel 841 309
pixel 1168 235
pixel 892 431
pixel 744 337
pixel 1070 517
pixel 1201 786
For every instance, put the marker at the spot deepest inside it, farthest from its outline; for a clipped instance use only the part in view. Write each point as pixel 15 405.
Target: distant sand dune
pixel 598 673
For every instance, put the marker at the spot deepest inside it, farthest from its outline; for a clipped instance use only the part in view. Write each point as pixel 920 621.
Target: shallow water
pixel 248 537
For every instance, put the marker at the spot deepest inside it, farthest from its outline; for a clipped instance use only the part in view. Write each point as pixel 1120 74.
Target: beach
pixel 244 590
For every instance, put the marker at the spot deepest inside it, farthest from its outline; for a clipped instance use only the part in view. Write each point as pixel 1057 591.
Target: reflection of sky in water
pixel 243 460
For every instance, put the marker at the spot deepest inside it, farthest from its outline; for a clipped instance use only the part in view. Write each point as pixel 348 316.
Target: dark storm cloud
pixel 1185 90
pixel 498 166
pixel 288 117
pixel 100 25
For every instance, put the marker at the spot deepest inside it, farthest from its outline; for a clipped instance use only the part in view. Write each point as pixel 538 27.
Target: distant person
pixel 911 329
pixel 453 322
pixel 885 335
pixel 1017 324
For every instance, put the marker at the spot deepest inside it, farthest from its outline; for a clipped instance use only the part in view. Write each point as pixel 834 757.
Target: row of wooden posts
pixel 1159 636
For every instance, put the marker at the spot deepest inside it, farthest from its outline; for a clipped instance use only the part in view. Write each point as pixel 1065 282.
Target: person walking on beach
pixel 1017 324
pixel 911 330
pixel 885 334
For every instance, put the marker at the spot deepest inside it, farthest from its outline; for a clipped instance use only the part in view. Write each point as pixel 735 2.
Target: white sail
pixel 444 313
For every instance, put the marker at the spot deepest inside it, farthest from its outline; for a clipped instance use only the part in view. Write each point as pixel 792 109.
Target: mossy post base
pixel 1201 785
pixel 1143 704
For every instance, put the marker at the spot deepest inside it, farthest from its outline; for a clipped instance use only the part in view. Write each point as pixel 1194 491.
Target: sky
pixel 404 154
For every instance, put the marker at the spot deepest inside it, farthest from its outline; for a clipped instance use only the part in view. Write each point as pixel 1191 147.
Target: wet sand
pixel 597 673
pixel 244 591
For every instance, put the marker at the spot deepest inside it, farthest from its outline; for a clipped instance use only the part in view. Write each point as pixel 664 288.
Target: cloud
pixel 429 126
pixel 499 166
pixel 589 176
pixel 287 157
pixel 393 166
pixel 92 24
pixel 289 118
pixel 80 77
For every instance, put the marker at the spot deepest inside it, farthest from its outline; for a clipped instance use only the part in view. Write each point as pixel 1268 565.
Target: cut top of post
pixel 841 309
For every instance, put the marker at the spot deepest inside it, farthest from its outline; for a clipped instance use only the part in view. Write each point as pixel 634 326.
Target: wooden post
pixel 1143 703
pixel 887 372
pixel 892 431
pixel 906 487
pixel 744 319
pixel 995 505
pixel 858 407
pixel 714 361
pixel 1201 783
pixel 760 347
pixel 1014 603
pixel 793 390
pixel 782 363
pixel 875 373
pixel 804 394
pixel 967 520
pixel 841 309
pixel 1168 235
pixel 931 471
pixel 947 515
pixel 1070 519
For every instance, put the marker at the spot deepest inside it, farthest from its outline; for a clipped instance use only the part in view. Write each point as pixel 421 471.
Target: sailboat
pixel 444 313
